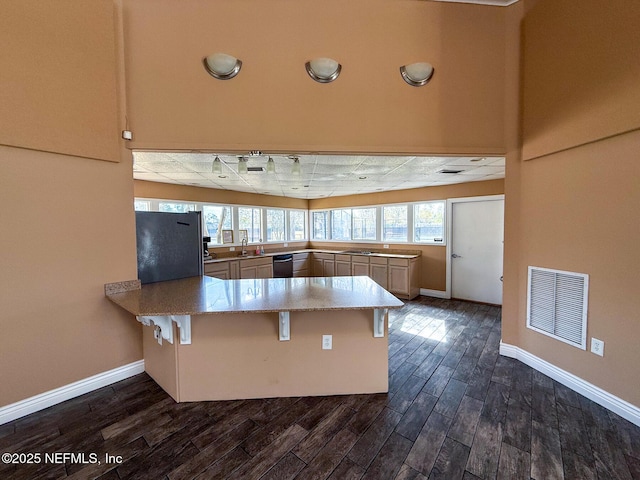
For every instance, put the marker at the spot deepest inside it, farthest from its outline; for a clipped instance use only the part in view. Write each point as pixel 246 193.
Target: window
pixel 428 222
pixel 364 223
pixel 215 219
pixel 296 225
pixel 275 225
pixel 341 224
pixel 320 225
pixel 176 207
pixel 395 226
pixel 249 219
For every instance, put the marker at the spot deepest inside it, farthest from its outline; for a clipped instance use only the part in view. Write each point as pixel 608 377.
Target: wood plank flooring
pixel 455 409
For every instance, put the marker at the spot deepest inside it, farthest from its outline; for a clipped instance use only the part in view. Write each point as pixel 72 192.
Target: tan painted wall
pixel 197 194
pixel 588 88
pixel 511 269
pixel 58 88
pixel 67 229
pixel 67 221
pixel 471 189
pixel 576 210
pixel 224 363
pixel 273 105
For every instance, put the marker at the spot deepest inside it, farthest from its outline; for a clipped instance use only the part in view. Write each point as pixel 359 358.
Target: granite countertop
pixel 207 295
pixel 316 250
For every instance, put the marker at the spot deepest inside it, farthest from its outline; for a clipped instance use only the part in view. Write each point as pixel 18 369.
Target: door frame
pixel 449 216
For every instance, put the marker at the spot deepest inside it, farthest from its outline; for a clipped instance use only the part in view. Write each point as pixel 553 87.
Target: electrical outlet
pixel 232 249
pixel 385 246
pixel 286 244
pixel 597 346
pixel 327 342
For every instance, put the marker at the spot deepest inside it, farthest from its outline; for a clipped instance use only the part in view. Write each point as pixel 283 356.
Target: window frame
pixel 153 205
pixel 410 206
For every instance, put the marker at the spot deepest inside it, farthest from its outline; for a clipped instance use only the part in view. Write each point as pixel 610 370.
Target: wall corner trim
pixel 601 397
pixel 39 402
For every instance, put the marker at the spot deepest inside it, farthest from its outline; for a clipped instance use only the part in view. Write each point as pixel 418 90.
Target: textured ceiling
pixel 320 176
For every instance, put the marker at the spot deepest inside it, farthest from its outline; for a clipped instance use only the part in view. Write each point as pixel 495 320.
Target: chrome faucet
pixel 244 246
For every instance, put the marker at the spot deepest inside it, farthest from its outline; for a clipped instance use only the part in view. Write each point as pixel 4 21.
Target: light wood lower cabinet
pixel 323 265
pixel 378 270
pixel 359 265
pixel 343 265
pixel 217 270
pixel 234 269
pixel 301 264
pixel 401 276
pixel 404 277
pixel 256 268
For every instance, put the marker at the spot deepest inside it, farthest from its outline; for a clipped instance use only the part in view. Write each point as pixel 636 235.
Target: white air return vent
pixel 557 305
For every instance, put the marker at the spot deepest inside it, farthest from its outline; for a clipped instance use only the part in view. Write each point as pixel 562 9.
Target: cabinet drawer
pixel 360 259
pixel 255 262
pixel 343 258
pixel 378 260
pixel 399 262
pixel 323 256
pixel 217 270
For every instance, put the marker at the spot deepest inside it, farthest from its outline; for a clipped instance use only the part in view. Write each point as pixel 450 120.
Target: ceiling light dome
pixel 417 74
pixel 323 70
pixel 222 66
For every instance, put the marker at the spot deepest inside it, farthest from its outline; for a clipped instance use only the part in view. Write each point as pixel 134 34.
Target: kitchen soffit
pixel 320 175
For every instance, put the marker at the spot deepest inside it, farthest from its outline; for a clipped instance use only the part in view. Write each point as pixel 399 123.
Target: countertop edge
pixel 314 250
pixel 121 299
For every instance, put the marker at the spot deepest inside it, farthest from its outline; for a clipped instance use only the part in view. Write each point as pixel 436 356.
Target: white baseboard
pixel 601 397
pixel 434 293
pixel 75 389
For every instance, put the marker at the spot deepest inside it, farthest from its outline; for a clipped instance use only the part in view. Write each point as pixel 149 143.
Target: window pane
pixel 141 205
pixel 341 224
pixel 296 225
pixel 320 225
pixel 395 227
pixel 175 207
pixel 364 223
pixel 249 220
pixel 428 221
pixel 275 225
pixel 216 219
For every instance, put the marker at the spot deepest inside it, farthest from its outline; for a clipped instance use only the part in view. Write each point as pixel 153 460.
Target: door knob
pixel 453 255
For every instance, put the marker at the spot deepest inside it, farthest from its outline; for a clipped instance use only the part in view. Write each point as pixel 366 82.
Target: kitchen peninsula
pixel 216 339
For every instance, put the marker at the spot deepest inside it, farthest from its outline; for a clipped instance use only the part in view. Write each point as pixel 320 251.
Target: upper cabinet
pixel 273 104
pixel 59 77
pixel 581 73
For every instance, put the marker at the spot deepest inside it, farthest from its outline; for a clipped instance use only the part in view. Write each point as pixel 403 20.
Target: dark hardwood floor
pixel 455 409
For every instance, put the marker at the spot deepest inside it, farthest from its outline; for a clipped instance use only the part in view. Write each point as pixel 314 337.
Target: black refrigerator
pixel 169 245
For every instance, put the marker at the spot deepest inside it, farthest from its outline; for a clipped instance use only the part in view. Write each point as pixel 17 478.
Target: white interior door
pixel 477 233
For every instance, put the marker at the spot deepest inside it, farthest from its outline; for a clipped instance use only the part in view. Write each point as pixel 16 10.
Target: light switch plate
pixel 327 342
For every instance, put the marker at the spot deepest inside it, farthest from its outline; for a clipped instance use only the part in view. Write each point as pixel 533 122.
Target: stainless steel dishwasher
pixel 283 266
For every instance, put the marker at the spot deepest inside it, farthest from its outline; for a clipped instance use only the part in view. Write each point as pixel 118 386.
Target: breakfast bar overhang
pixel 212 339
